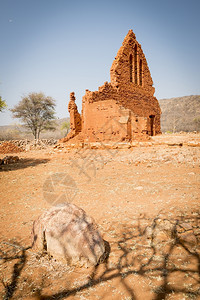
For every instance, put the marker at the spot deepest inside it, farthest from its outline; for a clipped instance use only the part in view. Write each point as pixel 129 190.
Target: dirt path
pixel 146 203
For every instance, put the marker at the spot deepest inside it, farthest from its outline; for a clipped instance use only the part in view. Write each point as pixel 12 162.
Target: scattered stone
pixel 123 146
pixel 9 147
pixel 194 143
pixel 9 160
pixel 15 146
pixel 139 188
pixel 149 232
pixel 134 144
pixel 96 145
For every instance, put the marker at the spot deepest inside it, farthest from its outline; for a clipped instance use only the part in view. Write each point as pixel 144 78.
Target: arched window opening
pixel 135 64
pixel 131 67
pixel 140 72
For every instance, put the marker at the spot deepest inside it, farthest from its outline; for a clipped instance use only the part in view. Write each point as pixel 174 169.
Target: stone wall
pixel 32 144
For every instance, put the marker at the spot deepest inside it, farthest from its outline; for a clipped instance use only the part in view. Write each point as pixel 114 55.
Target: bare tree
pixel 37 112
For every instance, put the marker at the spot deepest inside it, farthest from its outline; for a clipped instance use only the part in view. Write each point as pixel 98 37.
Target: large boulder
pixel 66 232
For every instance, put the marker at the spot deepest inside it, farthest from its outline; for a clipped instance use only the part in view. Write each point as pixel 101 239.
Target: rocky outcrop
pixel 67 233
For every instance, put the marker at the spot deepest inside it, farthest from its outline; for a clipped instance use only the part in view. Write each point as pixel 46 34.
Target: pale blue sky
pixel 60 46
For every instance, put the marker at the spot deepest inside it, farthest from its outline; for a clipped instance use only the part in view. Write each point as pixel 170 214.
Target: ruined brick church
pixel 124 109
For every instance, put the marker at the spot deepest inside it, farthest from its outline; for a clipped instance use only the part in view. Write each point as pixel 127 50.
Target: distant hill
pixel 180 114
pixel 18 132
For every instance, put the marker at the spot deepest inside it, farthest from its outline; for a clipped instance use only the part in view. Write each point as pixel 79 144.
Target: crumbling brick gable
pixel 130 66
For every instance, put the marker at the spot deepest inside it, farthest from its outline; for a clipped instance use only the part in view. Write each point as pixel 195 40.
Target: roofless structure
pixel 124 109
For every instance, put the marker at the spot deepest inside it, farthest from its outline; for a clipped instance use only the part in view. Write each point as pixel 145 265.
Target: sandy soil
pixel 145 201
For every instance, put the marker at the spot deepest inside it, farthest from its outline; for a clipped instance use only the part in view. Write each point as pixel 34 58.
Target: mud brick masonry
pixel 124 109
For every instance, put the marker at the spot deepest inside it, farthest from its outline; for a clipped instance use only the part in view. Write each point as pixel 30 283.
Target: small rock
pixel 139 188
pixel 193 143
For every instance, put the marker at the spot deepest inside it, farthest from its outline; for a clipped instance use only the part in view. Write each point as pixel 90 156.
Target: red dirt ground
pixel 146 203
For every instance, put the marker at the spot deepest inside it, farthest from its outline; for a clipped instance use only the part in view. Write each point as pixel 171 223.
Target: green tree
pixel 65 126
pixel 2 104
pixel 37 112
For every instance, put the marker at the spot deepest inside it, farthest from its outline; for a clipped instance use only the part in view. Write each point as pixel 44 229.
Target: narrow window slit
pixel 140 69
pixel 131 67
pixel 135 64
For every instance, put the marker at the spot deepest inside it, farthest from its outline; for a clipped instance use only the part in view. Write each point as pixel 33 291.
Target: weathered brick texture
pixel 123 109
pixel 75 118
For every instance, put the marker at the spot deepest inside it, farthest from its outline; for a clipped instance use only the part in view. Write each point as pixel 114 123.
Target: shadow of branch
pixel 23 164
pixel 164 250
pixel 17 253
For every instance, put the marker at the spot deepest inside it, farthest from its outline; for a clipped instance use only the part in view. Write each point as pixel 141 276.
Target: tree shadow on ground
pixel 163 251
pixel 23 163
pixel 12 252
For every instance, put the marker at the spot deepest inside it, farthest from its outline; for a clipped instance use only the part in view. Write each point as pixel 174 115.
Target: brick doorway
pixel 152 125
